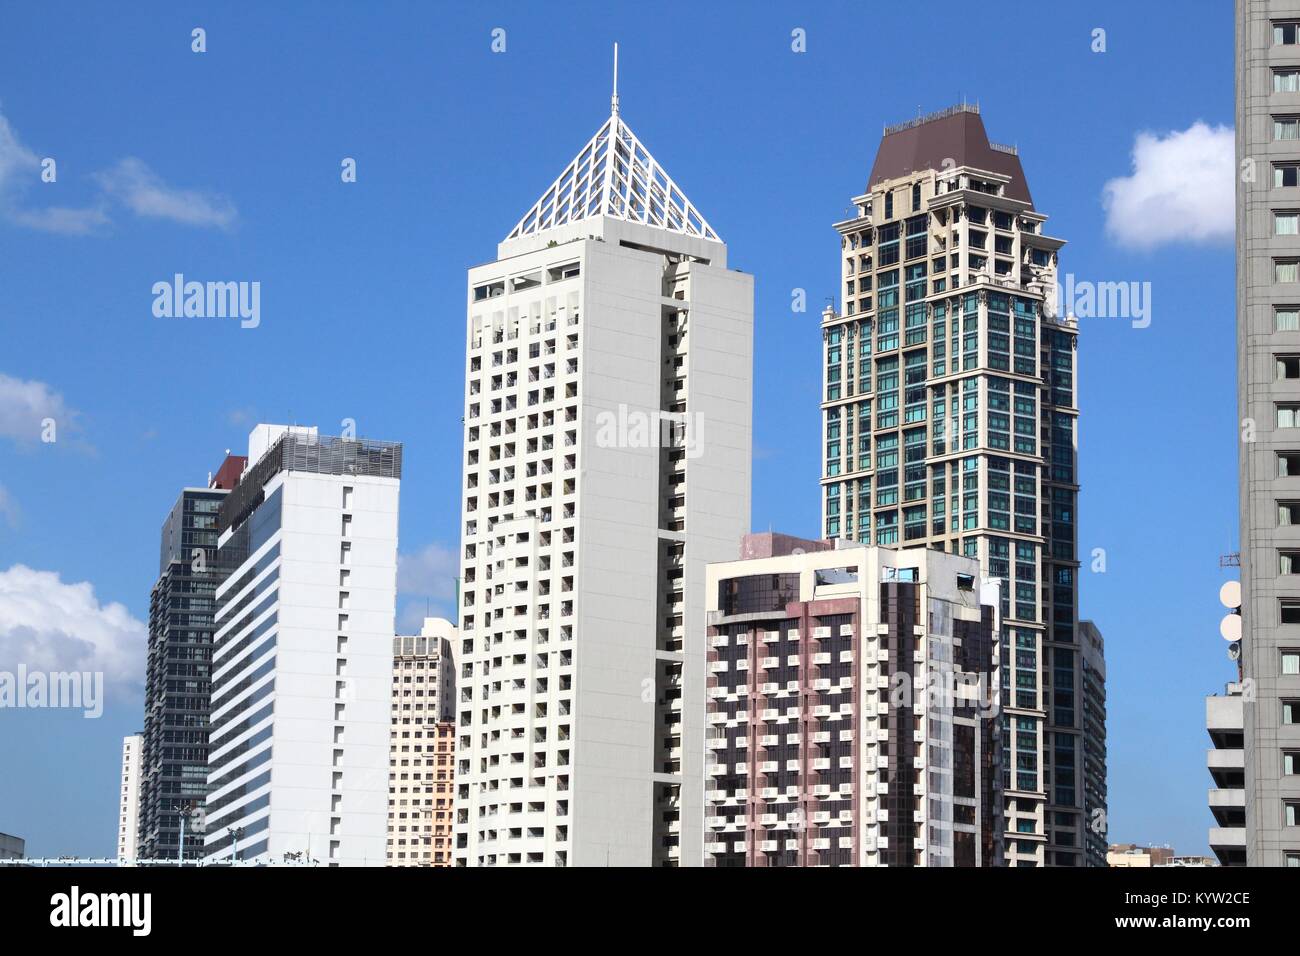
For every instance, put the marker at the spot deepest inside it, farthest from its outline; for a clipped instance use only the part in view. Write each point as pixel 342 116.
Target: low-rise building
pixel 852 705
pixel 1132 855
pixel 12 847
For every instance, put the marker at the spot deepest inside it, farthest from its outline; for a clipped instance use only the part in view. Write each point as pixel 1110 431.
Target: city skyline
pixel 384 314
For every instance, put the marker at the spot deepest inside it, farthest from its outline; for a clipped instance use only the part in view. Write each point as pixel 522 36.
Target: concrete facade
pixel 1226 761
pixel 607 416
pixel 128 804
pixel 420 791
pixel 1268 377
pixel 12 847
pixel 853 709
pixel 303 651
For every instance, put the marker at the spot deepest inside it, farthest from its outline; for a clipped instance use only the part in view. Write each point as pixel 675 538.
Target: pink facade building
pixel 852 708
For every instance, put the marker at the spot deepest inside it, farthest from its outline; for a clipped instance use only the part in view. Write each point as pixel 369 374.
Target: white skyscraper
pixel 128 812
pixel 608 404
pixel 303 650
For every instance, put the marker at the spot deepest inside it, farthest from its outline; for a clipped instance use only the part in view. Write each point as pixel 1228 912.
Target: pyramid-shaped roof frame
pixel 615 175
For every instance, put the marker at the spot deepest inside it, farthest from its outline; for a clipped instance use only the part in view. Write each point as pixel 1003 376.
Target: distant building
pixel 302 657
pixel 1189 861
pixel 1132 855
pixel 1092 675
pixel 420 775
pixel 11 847
pixel 442 829
pixel 128 816
pixel 852 699
pixel 174 755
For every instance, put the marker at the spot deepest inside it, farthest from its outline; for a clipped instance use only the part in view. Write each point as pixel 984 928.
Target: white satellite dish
pixel 1230 594
pixel 1230 627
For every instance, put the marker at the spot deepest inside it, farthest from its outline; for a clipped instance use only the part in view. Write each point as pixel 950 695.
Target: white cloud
pixel 16 159
pixel 1181 189
pixel 24 405
pixel 411 615
pixel 19 168
pixel 138 188
pixel 59 219
pixel 129 182
pixel 430 572
pixel 48 625
pixel 8 507
pixel 426 585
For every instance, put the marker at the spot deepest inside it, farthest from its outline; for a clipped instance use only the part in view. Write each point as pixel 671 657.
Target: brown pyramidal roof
pixel 955 134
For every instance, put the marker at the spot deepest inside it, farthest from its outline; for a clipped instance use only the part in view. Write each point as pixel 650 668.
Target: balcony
pixel 1229 807
pixel 1229 845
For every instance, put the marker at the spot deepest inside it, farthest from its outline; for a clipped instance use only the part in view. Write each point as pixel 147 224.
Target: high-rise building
pixel 949 422
pixel 607 462
pixel 174 749
pixel 420 789
pixel 850 704
pixel 1268 401
pixel 128 802
pixel 1092 650
pixel 302 660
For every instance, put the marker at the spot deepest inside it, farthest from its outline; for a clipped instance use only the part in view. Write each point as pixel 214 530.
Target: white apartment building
pixel 607 462
pixel 302 651
pixel 128 814
pixel 419 775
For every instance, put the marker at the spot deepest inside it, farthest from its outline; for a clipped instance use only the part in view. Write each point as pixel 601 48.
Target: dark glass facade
pixel 177 684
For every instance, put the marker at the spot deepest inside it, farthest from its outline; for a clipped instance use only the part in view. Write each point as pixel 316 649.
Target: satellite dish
pixel 1234 651
pixel 1230 627
pixel 1230 594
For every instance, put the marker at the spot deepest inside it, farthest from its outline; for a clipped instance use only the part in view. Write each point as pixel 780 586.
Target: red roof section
pixel 227 475
pixel 959 139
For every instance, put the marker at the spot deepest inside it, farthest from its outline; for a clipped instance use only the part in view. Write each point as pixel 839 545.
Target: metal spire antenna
pixel 613 100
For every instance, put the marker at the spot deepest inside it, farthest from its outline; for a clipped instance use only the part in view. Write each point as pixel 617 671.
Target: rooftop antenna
pixel 613 100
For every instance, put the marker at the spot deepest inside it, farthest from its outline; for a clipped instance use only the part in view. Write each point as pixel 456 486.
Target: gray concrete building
pixel 11 847
pixel 1268 377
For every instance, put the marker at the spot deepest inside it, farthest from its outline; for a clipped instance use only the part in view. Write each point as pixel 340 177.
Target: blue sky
pixel 225 165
